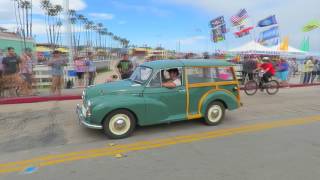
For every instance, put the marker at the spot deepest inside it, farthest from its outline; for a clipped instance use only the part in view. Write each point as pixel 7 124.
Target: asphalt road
pixel 271 137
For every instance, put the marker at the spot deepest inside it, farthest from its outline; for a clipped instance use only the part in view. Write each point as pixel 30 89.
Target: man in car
pixel 174 79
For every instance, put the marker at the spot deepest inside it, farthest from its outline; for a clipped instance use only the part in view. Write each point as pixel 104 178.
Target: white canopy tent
pixel 253 47
pixel 290 50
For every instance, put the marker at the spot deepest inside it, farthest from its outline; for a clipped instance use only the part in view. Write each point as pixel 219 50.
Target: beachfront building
pixel 11 39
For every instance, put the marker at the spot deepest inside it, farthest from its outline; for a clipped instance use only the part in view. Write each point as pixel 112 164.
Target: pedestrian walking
pixel 26 72
pixel 92 69
pixel 57 62
pixel 308 67
pixel 11 69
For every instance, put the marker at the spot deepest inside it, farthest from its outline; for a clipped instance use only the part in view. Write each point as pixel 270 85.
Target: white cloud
pixel 38 27
pixel 192 40
pixel 101 16
pixel 7 8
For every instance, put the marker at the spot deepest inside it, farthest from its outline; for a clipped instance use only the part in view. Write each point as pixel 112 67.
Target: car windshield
pixel 141 74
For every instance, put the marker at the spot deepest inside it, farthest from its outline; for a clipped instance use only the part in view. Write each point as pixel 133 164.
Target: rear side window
pixel 213 74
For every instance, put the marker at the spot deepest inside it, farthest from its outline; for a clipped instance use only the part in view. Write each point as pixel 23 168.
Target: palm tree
pixel 80 19
pixel 52 16
pixel 59 25
pixel 22 10
pixel 26 8
pixel 99 30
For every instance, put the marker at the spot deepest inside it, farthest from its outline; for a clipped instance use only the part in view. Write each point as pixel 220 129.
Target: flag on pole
pixel 271 20
pixel 243 31
pixel 219 21
pixel 269 34
pixel 284 46
pixel 305 45
pixel 311 26
pixel 239 17
pixel 218 29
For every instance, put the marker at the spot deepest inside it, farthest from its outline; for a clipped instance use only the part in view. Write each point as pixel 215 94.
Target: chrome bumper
pixel 82 121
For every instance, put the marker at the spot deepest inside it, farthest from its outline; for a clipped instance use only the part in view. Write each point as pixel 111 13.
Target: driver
pixel 174 79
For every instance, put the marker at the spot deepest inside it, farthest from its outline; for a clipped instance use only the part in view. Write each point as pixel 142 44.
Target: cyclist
pixel 268 71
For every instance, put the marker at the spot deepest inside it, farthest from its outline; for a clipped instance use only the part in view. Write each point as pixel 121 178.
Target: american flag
pixel 239 17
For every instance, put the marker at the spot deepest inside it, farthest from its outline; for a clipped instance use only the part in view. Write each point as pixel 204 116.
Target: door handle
pixel 181 90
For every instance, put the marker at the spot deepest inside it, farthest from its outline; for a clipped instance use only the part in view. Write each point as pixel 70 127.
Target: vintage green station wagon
pixel 161 92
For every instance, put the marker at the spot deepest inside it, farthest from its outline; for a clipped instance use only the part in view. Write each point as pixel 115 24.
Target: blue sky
pixel 167 22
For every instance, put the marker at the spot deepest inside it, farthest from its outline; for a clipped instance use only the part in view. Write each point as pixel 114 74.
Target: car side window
pixel 156 80
pixel 213 74
pixel 165 76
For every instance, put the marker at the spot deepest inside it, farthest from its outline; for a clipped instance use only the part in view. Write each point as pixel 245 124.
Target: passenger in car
pixel 174 81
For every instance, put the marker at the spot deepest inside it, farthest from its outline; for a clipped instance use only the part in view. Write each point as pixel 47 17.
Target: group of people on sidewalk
pixel 17 76
pixel 311 70
pixel 16 72
pixel 84 68
pixel 284 69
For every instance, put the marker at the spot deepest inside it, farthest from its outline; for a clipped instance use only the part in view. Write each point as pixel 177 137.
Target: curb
pixel 36 99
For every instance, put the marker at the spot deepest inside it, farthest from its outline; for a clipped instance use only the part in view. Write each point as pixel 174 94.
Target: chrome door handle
pixel 181 90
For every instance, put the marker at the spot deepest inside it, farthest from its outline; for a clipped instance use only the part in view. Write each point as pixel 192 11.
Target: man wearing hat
pixel 125 67
pixel 57 63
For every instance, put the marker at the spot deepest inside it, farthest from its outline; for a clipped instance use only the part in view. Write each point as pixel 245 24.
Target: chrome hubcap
pixel 214 113
pixel 119 124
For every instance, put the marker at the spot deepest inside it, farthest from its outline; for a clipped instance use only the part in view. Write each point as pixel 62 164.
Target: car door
pixel 164 104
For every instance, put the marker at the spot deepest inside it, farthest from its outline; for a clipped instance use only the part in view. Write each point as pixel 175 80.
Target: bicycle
pixel 251 87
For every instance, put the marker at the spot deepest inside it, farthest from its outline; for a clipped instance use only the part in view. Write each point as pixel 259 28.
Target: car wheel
pixel 214 113
pixel 119 124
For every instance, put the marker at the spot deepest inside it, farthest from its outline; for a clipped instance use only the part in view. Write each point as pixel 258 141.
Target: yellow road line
pixel 150 144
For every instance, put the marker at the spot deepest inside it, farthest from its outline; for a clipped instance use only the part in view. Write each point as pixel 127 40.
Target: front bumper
pixel 82 119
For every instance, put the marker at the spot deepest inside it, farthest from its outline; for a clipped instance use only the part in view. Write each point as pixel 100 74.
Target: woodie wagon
pixel 201 89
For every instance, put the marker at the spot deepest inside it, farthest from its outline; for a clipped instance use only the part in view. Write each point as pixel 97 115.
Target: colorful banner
pixel 219 21
pixel 312 25
pixel 271 20
pixel 243 31
pixel 270 42
pixel 218 29
pixel 269 34
pixel 218 35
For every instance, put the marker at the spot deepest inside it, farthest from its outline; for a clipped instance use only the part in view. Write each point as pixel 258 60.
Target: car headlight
pixel 89 105
pixel 83 94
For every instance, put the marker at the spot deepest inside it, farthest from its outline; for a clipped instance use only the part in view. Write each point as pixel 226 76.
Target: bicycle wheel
pixel 272 87
pixel 251 88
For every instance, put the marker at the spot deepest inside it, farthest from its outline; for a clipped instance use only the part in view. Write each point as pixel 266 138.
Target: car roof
pixel 162 64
